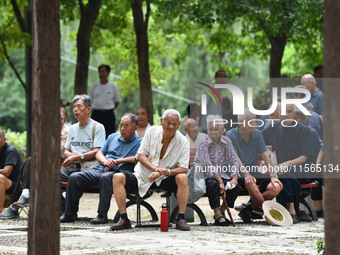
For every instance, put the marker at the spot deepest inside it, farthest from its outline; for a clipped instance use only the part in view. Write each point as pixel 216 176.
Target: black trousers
pixel 213 193
pixel 23 181
pixel 107 118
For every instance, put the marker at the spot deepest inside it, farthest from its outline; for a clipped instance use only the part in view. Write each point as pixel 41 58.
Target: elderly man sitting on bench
pixel 164 160
pixel 297 147
pixel 248 143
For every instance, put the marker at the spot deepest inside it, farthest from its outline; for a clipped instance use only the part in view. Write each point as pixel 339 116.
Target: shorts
pixel 131 183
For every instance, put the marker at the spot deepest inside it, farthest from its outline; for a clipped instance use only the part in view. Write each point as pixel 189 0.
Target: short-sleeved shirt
pixel 104 96
pixel 317 101
pixel 247 152
pixel 115 148
pixel 80 138
pixel 176 155
pixel 317 123
pixel 292 142
pixel 217 158
pixel 9 156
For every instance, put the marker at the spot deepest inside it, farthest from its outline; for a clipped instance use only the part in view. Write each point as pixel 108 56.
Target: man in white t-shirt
pixel 84 139
pixel 105 98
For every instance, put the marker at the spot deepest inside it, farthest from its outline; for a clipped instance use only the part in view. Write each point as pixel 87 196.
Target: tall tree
pixel 244 28
pixel 43 231
pixel 141 29
pixel 88 16
pixel 332 122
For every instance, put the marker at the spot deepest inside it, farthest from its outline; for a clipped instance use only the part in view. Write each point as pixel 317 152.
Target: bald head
pixel 309 82
pixel 191 127
pixel 2 133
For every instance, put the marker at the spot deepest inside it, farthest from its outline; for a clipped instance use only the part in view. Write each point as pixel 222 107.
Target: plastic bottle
pixel 164 218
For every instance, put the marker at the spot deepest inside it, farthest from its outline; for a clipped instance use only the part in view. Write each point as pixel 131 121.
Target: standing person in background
pixel 212 109
pixel 105 98
pixel 318 75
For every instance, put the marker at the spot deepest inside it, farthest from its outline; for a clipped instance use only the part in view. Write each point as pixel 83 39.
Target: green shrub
pixel 320 246
pixel 18 140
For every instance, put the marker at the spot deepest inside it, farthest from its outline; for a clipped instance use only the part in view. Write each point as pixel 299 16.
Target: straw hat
pixel 275 214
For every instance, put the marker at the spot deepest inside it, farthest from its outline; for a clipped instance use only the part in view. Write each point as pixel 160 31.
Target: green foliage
pixel 320 246
pixel 261 97
pixel 12 95
pixel 18 140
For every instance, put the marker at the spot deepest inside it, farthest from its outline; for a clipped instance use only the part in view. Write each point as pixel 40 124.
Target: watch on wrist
pixel 82 156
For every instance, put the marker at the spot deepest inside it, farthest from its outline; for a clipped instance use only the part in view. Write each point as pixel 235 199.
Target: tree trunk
pixel 141 30
pixel 28 73
pixel 89 14
pixel 44 211
pixel 278 44
pixel 332 122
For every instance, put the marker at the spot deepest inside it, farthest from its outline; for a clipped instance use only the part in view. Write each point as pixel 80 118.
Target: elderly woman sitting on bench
pixel 216 157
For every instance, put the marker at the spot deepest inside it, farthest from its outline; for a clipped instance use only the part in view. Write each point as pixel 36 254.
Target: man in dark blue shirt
pixel 118 151
pixel 10 163
pixel 295 147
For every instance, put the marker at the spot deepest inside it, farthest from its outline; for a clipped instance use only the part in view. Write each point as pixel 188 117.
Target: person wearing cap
pixel 248 144
pixel 216 157
pixel 163 162
pixel 296 148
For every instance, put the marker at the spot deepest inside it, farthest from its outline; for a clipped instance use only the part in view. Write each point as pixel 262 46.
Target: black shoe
pixel 319 214
pixel 68 218
pixel 245 214
pixel 243 205
pixel 100 219
pixel 295 218
pixel 257 213
pixel 221 221
pixel 21 203
pixel 303 216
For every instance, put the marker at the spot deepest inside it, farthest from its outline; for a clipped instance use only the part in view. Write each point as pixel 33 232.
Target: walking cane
pixel 228 210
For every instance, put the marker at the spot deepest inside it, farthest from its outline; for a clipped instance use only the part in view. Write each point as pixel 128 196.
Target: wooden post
pixel 44 212
pixel 332 123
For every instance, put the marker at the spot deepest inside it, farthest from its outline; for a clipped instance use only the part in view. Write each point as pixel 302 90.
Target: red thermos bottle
pixel 164 218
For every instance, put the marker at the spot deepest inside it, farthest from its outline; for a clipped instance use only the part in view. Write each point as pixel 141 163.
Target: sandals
pixel 221 221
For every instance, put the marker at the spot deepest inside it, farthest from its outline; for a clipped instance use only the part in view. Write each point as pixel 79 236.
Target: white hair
pixel 212 118
pixel 247 113
pixel 171 112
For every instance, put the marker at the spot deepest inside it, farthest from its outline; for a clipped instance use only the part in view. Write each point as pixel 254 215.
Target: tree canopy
pixel 186 40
